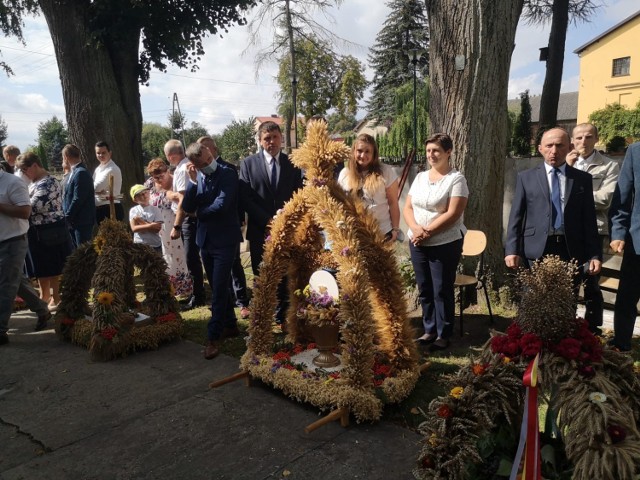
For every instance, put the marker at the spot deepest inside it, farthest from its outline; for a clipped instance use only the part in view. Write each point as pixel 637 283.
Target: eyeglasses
pixel 158 171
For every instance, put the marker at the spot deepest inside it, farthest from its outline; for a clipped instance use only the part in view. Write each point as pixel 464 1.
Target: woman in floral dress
pixel 160 183
pixel 49 239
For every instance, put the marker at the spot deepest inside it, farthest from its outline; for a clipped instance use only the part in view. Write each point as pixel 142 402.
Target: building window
pixel 621 66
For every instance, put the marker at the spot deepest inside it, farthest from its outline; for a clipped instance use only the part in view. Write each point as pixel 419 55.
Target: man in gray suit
pixel 604 175
pixel 625 239
pixel 552 212
pixel 268 179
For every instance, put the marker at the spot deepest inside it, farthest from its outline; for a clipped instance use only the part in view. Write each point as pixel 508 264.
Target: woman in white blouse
pixel 374 183
pixel 434 213
pixel 101 175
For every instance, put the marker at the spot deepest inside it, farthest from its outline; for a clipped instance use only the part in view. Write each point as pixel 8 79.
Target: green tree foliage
pixel 399 139
pixel 617 124
pixel 237 140
pixel 296 21
pixel 52 137
pixel 325 81
pixel 116 43
pixel 521 138
pixel 560 13
pixel 404 29
pixel 338 123
pixel 4 133
pixel 154 136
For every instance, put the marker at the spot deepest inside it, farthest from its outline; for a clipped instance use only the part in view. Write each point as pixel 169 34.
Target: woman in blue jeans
pixel 434 213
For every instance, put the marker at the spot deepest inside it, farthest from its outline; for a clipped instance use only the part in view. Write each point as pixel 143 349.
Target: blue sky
pixel 226 86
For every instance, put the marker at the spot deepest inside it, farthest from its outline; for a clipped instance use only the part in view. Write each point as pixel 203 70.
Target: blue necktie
pixel 274 175
pixel 556 202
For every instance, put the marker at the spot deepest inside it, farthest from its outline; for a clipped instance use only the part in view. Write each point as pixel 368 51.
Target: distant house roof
pixel 567 106
pixel 271 118
pixel 604 34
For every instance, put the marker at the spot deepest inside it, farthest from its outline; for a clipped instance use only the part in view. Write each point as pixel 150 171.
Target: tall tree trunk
pixel 470 102
pixel 555 63
pixel 99 86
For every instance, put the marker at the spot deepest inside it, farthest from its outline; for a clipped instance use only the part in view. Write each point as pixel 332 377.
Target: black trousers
pixel 625 311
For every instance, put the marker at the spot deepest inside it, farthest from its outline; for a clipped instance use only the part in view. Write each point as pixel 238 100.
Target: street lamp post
pixel 415 55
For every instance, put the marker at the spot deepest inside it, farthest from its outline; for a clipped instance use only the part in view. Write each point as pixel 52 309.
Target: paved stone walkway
pixel 152 416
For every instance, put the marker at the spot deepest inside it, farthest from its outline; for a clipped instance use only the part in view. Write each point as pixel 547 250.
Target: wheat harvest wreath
pixel 110 325
pixel 376 350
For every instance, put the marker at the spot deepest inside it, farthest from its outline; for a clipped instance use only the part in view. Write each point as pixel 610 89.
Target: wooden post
pixel 232 378
pixel 112 207
pixel 341 413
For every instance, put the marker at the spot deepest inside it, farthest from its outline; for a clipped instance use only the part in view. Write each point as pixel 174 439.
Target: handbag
pixel 51 234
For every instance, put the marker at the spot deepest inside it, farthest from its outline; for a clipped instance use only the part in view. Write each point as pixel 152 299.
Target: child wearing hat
pixel 145 220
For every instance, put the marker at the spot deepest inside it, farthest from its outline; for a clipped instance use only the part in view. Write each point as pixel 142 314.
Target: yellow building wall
pixel 598 87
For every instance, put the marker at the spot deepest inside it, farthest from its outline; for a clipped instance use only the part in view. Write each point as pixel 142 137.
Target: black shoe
pixel 438 345
pixel 42 322
pixel 4 339
pixel 194 302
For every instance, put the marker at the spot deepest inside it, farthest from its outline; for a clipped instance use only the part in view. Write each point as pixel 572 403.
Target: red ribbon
pixel 529 435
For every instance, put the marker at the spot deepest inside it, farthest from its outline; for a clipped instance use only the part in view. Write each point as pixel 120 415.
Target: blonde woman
pixel 374 183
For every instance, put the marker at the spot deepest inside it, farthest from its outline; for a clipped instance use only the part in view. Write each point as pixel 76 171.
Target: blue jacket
pixel 530 218
pixel 624 214
pixel 256 196
pixel 78 201
pixel 214 200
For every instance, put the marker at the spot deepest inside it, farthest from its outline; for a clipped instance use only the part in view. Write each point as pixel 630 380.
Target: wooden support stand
pixel 424 367
pixel 341 414
pixel 232 378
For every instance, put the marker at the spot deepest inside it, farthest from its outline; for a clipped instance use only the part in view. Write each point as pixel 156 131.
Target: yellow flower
pixel 105 298
pixel 597 397
pixel 506 360
pixel 98 243
pixel 433 440
pixel 456 392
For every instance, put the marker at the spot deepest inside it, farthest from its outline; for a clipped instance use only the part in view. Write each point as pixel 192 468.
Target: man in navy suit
pixel 212 195
pixel 78 199
pixel 625 238
pixel 553 212
pixel 267 180
pixel 239 280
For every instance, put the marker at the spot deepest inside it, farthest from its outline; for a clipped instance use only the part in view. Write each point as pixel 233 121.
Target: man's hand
pixel 595 266
pixel 572 156
pixel 155 226
pixel 617 246
pixel 175 234
pixel 192 171
pixel 512 261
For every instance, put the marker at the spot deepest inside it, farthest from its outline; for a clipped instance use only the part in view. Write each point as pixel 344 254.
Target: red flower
pixel 505 345
pixel 427 462
pixel 478 369
pixel 616 433
pixel 108 333
pixel 311 346
pixel 444 411
pixel 530 344
pixel 587 371
pixel 167 317
pixel 297 349
pixel 514 331
pixel 568 348
pixel 281 356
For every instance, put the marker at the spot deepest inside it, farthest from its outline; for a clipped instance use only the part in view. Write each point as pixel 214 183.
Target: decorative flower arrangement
pixel 372 310
pixel 317 308
pixel 592 394
pixel 106 265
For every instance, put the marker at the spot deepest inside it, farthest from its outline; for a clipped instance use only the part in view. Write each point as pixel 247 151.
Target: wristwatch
pixel 178 227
